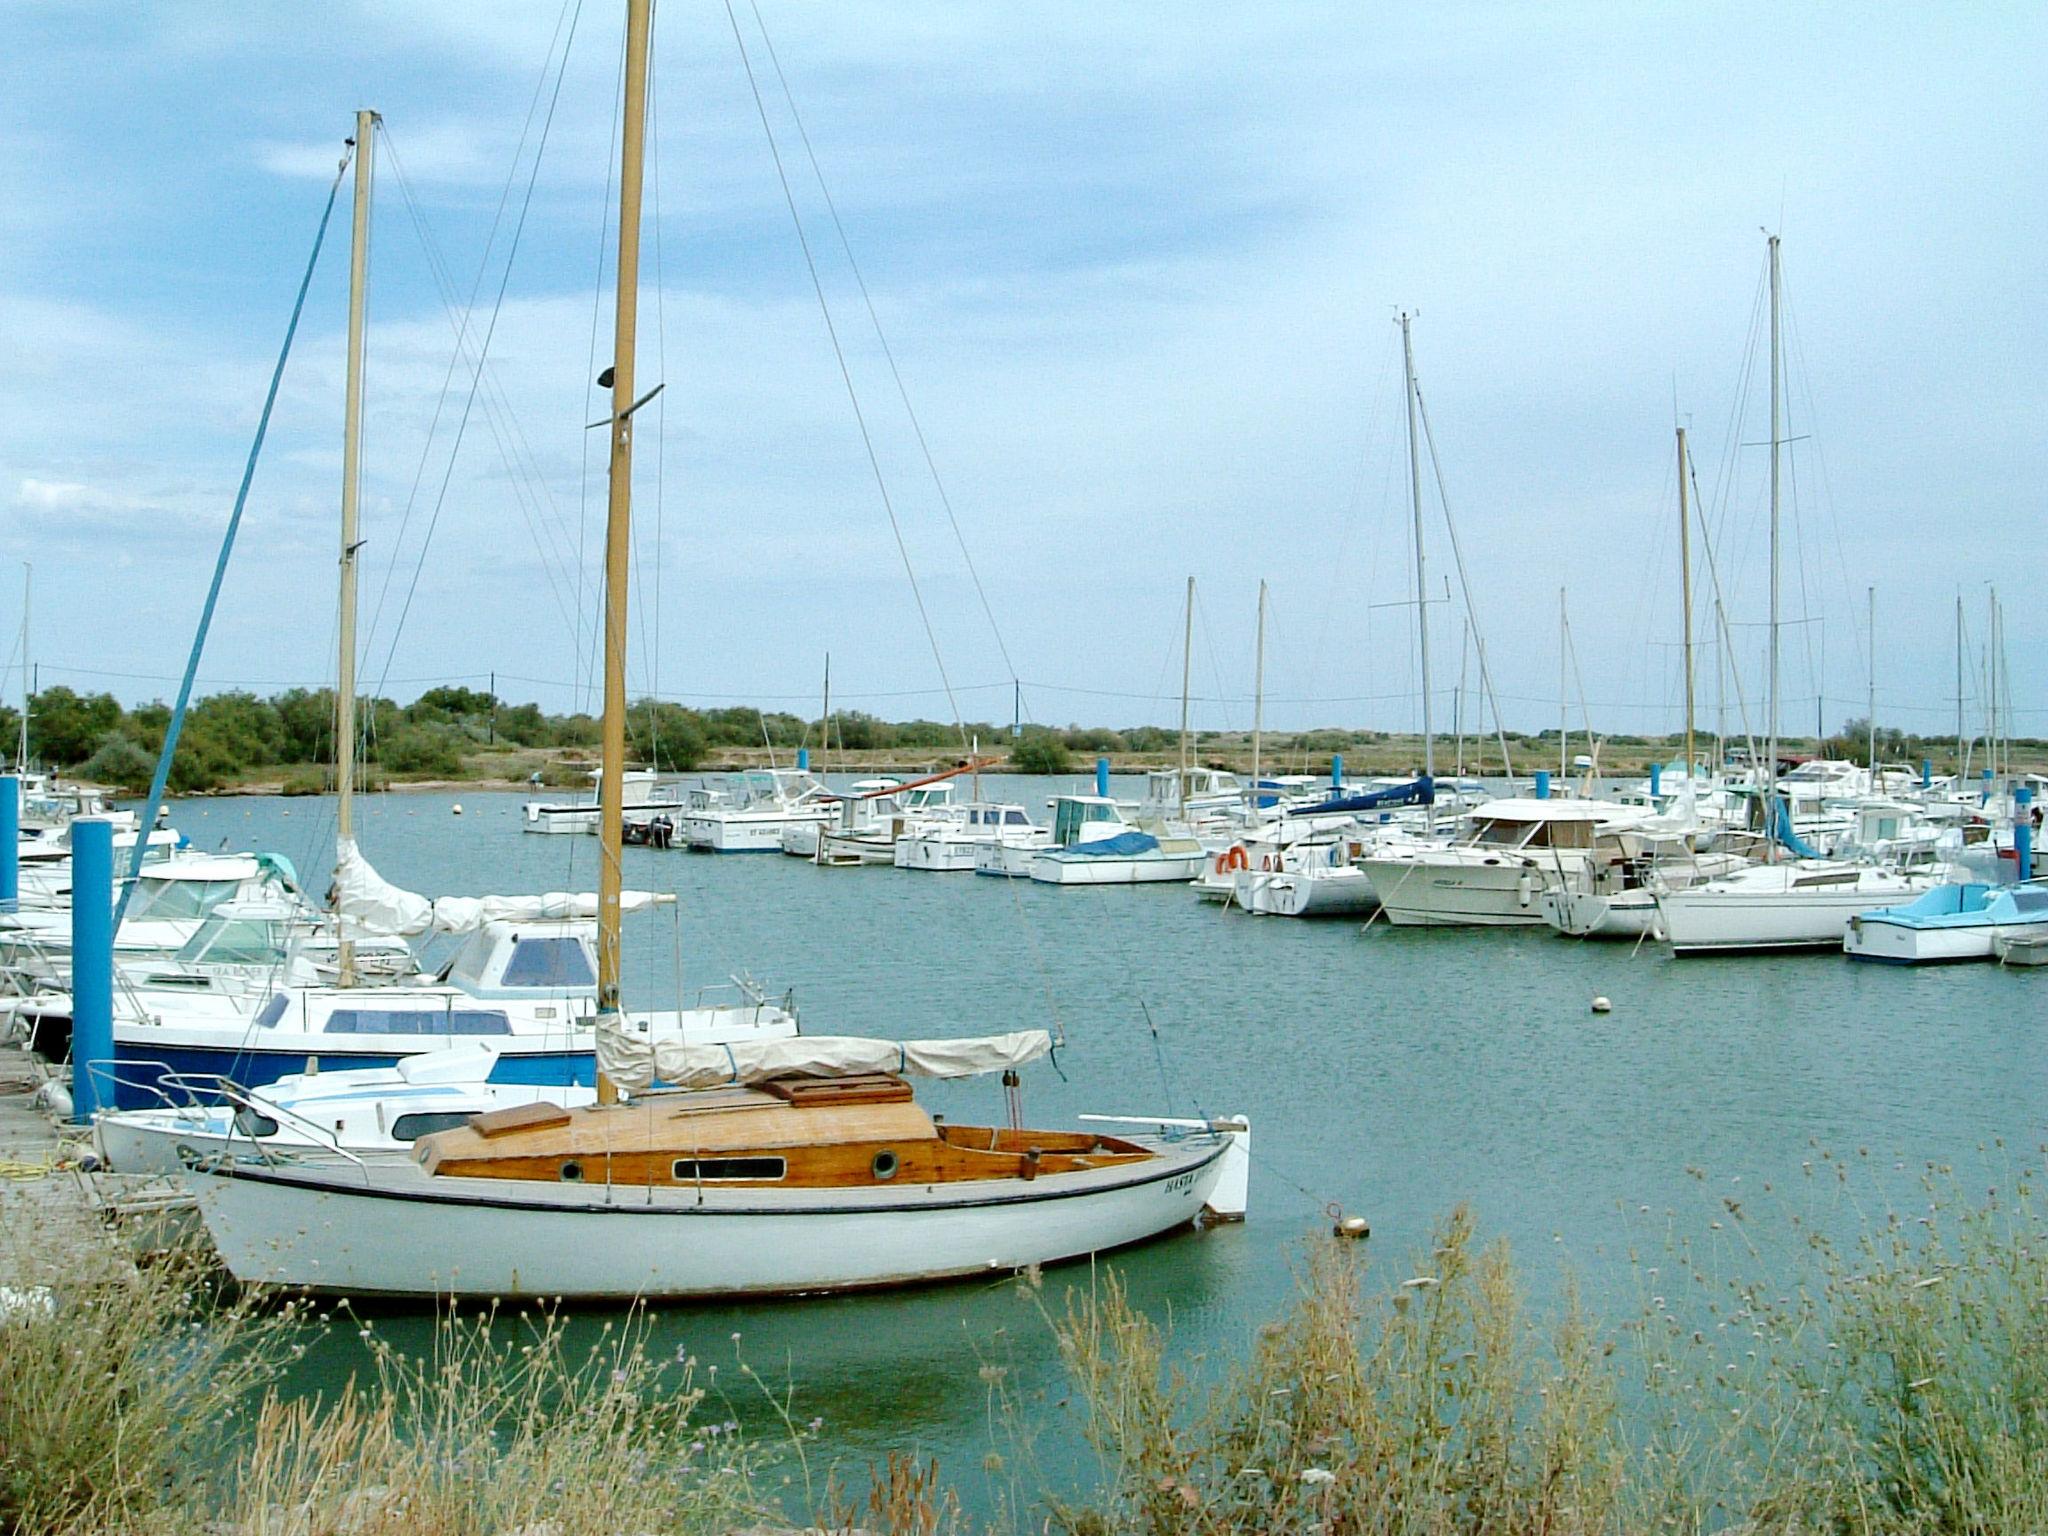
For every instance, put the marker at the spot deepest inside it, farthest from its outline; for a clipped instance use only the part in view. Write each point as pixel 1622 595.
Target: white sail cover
pixel 372 907
pixel 635 1062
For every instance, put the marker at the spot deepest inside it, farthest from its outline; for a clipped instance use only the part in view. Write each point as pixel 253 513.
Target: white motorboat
pixel 647 795
pixel 860 809
pixel 954 845
pixel 1793 904
pixel 1958 921
pixel 172 898
pixel 1094 843
pixel 1500 864
pixel 763 802
pixel 364 1110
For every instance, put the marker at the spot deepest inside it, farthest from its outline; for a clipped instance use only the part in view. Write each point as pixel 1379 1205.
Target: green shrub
pixel 120 764
pixel 428 750
pixel 1041 752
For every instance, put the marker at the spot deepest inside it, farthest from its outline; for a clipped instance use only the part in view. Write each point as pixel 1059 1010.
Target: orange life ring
pixel 1234 859
pixel 1222 863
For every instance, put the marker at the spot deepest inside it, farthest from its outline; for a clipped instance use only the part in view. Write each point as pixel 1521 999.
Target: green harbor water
pixel 1392 1073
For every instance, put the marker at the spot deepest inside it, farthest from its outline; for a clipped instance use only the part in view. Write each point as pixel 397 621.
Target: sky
pixel 1138 268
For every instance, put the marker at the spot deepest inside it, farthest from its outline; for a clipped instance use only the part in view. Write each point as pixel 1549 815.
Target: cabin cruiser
pixel 1494 872
pixel 645 795
pixel 802 839
pixel 868 829
pixel 955 844
pixel 172 898
pixel 1095 843
pixel 762 802
pixel 1792 904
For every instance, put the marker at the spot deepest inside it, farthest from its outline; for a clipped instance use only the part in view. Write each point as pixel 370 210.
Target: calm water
pixel 1392 1072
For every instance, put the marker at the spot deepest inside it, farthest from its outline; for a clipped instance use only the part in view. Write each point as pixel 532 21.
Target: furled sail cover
pixel 635 1062
pixel 372 907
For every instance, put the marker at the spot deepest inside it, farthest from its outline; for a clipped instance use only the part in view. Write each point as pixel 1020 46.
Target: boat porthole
pixel 572 1172
pixel 884 1165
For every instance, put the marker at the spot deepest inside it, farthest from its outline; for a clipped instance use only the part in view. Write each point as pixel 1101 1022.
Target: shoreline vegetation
pixel 1895 1381
pixel 240 743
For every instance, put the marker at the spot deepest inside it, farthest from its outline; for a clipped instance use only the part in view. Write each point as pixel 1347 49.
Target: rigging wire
pixel 846 373
pixel 483 351
pixel 888 352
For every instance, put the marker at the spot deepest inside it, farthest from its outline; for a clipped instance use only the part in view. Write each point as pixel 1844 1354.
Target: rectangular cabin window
pixel 417 1021
pixel 561 962
pixel 712 1170
pixel 272 1011
pixel 426 1122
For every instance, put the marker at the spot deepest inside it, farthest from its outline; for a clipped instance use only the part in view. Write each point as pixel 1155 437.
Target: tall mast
pixel 619 527
pixel 825 716
pixel 1187 661
pixel 1959 688
pixel 1872 599
pixel 1770 776
pixel 351 481
pixel 1563 716
pixel 1258 694
pixel 1685 598
pixel 28 576
pixel 1421 594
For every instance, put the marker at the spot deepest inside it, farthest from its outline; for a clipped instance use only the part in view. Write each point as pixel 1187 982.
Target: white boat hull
pixel 389 1229
pixel 1707 921
pixel 1497 893
pixel 1139 869
pixel 1868 938
pixel 1585 915
pixel 1343 891
pixel 742 832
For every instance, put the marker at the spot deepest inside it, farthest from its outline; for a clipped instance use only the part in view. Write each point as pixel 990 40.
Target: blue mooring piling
pixel 1102 777
pixel 803 759
pixel 1336 770
pixel 10 842
pixel 1927 773
pixel 1542 783
pixel 92 961
pixel 2023 830
pixel 1656 780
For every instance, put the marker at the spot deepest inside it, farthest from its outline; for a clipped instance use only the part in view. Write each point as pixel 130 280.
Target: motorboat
pixel 1957 921
pixel 795 1167
pixel 954 844
pixel 762 802
pixel 861 805
pixel 361 1110
pixel 172 898
pixel 647 795
pixel 1095 843
pixel 1496 870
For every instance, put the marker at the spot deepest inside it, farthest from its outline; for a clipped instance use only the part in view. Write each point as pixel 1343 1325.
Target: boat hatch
pixel 520 1117
pixel 810 1092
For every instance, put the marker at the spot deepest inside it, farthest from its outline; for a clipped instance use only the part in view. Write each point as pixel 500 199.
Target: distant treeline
pixel 232 737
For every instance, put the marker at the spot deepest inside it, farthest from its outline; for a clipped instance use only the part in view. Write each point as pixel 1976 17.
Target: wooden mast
pixel 351 480
pixel 618 529
pixel 1685 586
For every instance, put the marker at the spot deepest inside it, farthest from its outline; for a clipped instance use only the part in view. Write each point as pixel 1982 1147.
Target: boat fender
pixel 1525 888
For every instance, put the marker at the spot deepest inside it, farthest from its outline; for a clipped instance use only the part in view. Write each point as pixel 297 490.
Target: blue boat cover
pixel 1421 792
pixel 1781 829
pixel 1124 844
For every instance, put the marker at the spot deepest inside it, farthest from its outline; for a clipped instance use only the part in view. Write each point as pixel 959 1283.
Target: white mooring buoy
pixel 456 808
pixel 1602 1005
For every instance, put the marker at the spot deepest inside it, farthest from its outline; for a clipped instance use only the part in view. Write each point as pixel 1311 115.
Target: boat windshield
pixel 233 941
pixel 174 900
pixel 556 962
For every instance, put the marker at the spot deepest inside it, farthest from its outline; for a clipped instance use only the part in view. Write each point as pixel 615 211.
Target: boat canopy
pixel 370 906
pixel 1421 791
pixel 1123 845
pixel 635 1062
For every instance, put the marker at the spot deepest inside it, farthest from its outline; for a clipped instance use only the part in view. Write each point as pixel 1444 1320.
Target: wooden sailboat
pixel 762 1168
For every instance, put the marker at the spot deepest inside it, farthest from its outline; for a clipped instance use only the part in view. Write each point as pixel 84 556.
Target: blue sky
pixel 1139 267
